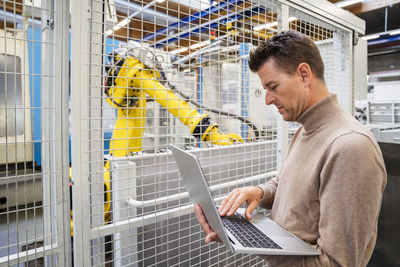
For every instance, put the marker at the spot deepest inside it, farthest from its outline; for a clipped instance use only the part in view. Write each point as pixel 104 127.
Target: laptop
pixel 260 235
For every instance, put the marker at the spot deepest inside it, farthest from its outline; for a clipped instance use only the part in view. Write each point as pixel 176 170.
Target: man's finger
pixel 250 208
pixel 228 205
pixel 238 202
pixel 198 211
pixel 212 237
pixel 202 219
pixel 224 202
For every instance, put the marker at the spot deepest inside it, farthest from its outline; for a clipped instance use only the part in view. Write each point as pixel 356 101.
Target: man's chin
pixel 287 118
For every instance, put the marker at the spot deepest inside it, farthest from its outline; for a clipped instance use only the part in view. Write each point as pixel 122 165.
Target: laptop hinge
pixel 233 242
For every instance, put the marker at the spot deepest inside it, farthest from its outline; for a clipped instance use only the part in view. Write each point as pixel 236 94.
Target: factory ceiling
pixel 147 17
pixel 381 17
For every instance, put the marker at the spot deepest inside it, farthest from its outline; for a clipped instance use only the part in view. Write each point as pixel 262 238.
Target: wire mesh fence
pixel 144 75
pixel 157 73
pixel 34 193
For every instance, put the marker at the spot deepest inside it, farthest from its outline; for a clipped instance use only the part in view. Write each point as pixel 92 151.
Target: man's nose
pixel 269 98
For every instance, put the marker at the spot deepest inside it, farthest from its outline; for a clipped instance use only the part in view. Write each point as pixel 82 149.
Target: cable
pixel 213 110
pixel 164 81
pixel 117 65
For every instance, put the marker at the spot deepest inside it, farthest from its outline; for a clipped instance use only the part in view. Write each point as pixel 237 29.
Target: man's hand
pixel 251 195
pixel 211 235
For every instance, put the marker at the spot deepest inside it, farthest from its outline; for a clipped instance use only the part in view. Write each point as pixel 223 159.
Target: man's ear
pixel 304 71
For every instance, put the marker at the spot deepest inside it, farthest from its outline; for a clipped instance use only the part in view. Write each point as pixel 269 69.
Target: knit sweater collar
pixel 316 115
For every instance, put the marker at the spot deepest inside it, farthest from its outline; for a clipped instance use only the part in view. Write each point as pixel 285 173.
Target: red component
pixel 212 35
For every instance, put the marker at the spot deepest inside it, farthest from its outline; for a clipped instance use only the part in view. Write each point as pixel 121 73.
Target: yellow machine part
pixel 129 129
pixel 107 190
pixel 134 81
pixel 146 81
pixel 181 110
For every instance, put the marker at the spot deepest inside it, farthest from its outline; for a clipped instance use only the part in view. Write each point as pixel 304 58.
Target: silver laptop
pixel 260 235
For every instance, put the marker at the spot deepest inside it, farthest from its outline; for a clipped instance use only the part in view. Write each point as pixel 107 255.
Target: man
pixel 329 190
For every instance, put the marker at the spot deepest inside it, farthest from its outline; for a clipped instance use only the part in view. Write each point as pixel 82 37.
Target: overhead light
pixel 347 3
pixel 125 21
pixel 120 24
pixel 195 46
pixel 271 24
pixel 180 50
pixel 370 37
pixel 394 32
pixel 201 44
pixel 265 26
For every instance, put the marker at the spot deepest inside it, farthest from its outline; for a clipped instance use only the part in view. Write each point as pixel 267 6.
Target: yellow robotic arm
pixel 127 82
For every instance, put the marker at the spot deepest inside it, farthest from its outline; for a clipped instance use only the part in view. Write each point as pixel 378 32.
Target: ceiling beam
pixel 15 6
pixel 370 5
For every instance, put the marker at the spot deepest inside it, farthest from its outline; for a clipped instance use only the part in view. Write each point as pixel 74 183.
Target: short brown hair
pixel 288 49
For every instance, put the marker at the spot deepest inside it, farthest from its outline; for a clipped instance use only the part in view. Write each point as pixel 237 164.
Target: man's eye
pixel 272 88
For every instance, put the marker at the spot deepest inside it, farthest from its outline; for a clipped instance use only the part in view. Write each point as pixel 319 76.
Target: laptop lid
pixel 199 192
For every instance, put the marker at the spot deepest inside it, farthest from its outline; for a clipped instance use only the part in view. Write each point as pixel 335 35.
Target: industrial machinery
pixel 133 75
pixel 15 123
pixel 200 49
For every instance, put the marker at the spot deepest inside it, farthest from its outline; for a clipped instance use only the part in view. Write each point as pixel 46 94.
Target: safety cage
pixel 94 91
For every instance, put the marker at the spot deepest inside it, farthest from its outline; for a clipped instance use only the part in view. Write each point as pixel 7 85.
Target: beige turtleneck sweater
pixel 329 190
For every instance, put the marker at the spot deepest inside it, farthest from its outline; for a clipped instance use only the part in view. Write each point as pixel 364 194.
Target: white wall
pixel 386 91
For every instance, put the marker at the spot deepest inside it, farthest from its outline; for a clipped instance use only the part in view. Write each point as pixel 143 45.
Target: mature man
pixel 329 190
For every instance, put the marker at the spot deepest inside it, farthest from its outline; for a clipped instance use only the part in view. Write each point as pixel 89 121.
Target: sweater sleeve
pixel 270 187
pixel 351 185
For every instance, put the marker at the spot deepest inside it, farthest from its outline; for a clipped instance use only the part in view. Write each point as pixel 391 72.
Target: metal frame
pixel 55 25
pixel 62 81
pixel 50 124
pixel 29 255
pixel 325 10
pixel 123 189
pixel 79 134
pixel 282 127
pixel 95 141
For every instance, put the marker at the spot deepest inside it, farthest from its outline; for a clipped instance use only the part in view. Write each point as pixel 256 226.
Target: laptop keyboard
pixel 248 234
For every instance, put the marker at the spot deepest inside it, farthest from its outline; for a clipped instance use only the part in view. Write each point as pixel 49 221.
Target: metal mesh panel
pixel 154 73
pixel 34 192
pixel 335 48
